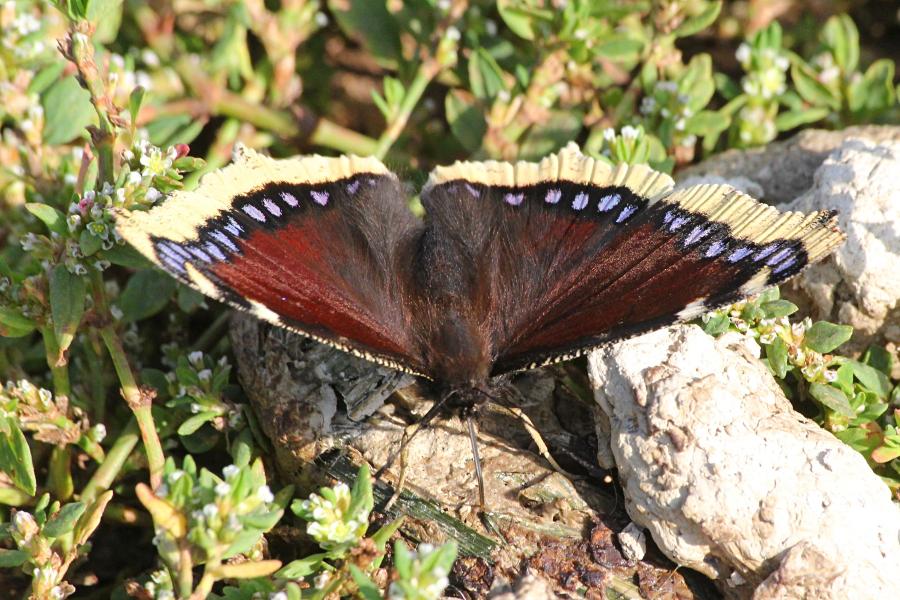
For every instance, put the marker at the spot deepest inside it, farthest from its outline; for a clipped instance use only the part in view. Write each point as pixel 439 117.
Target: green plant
pixel 854 397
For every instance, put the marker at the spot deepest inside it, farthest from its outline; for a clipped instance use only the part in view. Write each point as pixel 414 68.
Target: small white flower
pixel 503 96
pixel 230 471
pixel 321 19
pixel 149 57
pixel 134 178
pixel 222 489
pixel 278 596
pixel 116 312
pixel 196 358
pixel 45 396
pixel 680 124
pixel 743 53
pixel 176 475
pixel 196 408
pixel 490 27
pixel 453 34
pixel 205 375
pixel 210 510
pixel 609 134
pixel 629 132
pixel 581 34
pixel 264 494
pixel 99 432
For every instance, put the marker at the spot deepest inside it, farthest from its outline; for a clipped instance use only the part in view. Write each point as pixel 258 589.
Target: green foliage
pixel 854 397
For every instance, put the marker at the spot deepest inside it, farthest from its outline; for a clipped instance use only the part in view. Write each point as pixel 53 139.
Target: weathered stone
pixel 728 478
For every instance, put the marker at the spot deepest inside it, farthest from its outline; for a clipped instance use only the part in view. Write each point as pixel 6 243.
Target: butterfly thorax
pixel 457 352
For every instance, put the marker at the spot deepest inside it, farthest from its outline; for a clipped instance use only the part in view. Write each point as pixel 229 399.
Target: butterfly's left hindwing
pixel 317 245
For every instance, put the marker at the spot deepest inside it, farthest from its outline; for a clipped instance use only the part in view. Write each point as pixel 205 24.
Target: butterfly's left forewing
pixel 318 245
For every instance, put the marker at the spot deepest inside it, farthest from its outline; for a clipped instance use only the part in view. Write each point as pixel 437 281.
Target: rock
pixel 731 481
pixel 528 587
pixel 784 170
pixel 633 542
pixel 860 284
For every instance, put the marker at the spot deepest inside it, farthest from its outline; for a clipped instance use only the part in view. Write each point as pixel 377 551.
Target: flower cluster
pixel 22 30
pixel 198 383
pixel 332 520
pixel 765 69
pixel 52 420
pixel 630 146
pixel 218 516
pixel 668 107
pixel 421 573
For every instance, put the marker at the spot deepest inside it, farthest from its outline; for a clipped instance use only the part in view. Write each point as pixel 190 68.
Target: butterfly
pixel 513 266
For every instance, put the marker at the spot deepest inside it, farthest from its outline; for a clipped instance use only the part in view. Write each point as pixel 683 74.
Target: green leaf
pixel 717 325
pixel 90 520
pixel 146 293
pixel 195 422
pixel 46 77
pixel 126 256
pixel 692 25
pixel 485 75
pixel 15 456
pixel 823 337
pixel 872 379
pixel 51 217
pixel 67 111
pixel 707 122
pixel 810 88
pixel 12 558
pixel 89 243
pixel 876 90
pixel 361 498
pixel 778 308
pixel 832 398
pixel 465 118
pixel 879 358
pixel 302 567
pixel 777 355
pixel 523 17
pixel 842 37
pixel 550 134
pixel 64 521
pixel 619 46
pixel 13 324
pixel 373 23
pixel 67 294
pixel 792 119
pixel 134 102
pixel 367 588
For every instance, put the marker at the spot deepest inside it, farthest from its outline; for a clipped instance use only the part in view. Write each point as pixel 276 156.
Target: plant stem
pixel 106 473
pixel 283 123
pixel 59 474
pixel 60 373
pixel 139 402
pixel 425 73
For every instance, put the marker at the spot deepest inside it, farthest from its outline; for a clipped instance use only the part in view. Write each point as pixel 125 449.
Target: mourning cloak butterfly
pixel 514 265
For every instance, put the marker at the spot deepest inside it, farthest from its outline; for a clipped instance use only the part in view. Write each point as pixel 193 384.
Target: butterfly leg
pixel 408 434
pixel 542 448
pixel 473 439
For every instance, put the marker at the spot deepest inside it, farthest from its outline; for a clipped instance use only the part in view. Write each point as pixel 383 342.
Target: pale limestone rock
pixel 860 284
pixel 729 479
pixel 633 541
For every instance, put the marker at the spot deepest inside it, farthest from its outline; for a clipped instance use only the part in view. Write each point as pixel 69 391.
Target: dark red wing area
pixel 327 260
pixel 556 268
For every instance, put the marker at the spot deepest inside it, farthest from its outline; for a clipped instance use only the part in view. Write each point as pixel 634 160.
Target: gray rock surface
pixel 785 170
pixel 731 481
